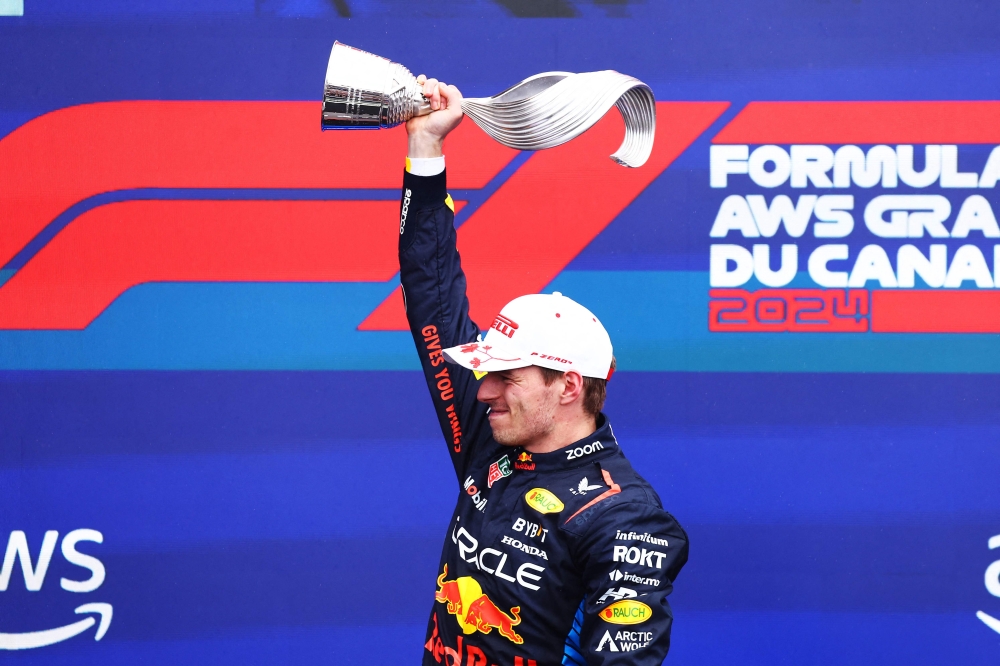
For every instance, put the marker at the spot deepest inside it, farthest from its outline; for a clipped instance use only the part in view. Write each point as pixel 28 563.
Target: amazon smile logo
pixel 34 571
pixel 992 586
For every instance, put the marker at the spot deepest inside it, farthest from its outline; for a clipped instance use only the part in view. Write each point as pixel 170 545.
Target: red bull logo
pixel 475 611
pixel 523 462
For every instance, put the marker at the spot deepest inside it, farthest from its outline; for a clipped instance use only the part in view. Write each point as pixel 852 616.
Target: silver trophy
pixel 366 91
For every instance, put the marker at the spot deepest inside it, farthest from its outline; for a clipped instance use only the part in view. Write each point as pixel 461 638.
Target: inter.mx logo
pixel 992 586
pixel 34 570
pixel 253 192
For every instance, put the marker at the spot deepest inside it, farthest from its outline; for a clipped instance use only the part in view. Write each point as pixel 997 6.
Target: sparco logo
pixel 585 450
pixel 404 211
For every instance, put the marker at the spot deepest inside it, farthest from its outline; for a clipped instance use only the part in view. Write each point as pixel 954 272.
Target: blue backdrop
pixel 265 470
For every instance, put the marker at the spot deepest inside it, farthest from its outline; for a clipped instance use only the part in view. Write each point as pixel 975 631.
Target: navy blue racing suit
pixel 556 558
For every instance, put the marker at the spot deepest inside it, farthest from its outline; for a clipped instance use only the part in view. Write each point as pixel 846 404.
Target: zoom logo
pixel 992 580
pixel 33 572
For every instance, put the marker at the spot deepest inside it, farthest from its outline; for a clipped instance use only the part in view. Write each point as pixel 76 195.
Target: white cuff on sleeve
pixel 425 166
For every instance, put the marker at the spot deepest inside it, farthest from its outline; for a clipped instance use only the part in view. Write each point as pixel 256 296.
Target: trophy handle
pixel 549 109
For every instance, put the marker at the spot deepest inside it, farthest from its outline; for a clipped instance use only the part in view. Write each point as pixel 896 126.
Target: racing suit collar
pixel 598 445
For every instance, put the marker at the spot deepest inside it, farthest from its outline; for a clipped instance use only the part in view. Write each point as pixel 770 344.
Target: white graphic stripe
pixel 989 621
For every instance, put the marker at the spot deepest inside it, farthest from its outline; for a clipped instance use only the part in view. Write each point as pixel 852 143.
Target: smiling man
pixel 558 552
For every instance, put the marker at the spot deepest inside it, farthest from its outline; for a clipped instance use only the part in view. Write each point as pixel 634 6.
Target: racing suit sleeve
pixel 631 555
pixel 438 310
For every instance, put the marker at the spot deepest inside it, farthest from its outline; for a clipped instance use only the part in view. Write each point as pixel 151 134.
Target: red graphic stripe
pixel 926 311
pixel 613 489
pixel 63 157
pixel 109 249
pixel 864 122
pixel 555 205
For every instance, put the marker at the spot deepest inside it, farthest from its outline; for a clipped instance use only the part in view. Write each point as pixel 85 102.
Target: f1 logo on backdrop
pixel 34 571
pixel 863 193
pixel 254 192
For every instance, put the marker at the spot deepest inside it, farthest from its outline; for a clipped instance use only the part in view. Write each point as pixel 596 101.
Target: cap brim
pixel 486 356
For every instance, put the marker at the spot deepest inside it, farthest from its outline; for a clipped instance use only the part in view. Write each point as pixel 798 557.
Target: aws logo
pixel 253 192
pixel 34 578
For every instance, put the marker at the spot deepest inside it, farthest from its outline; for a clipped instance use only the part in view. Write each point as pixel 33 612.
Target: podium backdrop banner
pixel 215 443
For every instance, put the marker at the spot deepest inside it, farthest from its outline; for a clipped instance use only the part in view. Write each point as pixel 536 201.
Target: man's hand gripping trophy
pixel 427 133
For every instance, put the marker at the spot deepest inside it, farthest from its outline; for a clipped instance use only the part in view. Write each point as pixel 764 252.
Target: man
pixel 558 551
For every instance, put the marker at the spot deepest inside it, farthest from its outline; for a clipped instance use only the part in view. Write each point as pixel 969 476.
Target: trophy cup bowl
pixel 366 91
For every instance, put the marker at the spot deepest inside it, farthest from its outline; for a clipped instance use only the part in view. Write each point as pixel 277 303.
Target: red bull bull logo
pixel 475 611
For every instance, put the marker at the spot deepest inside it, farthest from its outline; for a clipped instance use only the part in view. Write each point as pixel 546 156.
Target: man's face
pixel 522 407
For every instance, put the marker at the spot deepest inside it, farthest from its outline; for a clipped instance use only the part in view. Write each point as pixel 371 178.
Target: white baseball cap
pixel 548 330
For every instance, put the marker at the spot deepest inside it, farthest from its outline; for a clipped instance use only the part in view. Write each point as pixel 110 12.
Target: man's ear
pixel 572 387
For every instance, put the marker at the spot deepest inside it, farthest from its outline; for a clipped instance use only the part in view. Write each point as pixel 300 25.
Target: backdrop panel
pixel 213 433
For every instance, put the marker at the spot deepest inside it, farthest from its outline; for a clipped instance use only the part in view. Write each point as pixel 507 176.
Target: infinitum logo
pixel 34 578
pixel 992 586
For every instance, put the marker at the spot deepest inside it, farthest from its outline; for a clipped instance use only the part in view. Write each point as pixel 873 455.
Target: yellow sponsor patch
pixel 543 501
pixel 626 611
pixel 479 375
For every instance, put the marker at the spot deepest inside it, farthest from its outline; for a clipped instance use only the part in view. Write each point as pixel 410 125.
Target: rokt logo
pixel 634 555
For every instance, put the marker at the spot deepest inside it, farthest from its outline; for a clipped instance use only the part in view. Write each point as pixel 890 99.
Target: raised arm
pixel 432 278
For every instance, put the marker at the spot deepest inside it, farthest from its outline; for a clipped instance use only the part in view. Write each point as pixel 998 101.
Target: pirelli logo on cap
pixel 505 326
